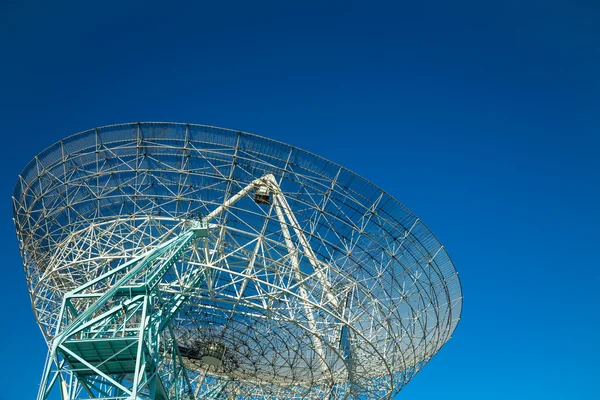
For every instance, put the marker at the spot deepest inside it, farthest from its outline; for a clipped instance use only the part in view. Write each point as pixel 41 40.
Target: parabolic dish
pixel 324 288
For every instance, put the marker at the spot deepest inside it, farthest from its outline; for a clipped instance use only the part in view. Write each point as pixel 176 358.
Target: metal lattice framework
pixel 315 283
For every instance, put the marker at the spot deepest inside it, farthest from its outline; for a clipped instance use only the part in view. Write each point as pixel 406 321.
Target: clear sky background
pixel 481 118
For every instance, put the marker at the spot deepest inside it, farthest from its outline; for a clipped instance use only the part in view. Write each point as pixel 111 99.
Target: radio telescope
pixel 176 261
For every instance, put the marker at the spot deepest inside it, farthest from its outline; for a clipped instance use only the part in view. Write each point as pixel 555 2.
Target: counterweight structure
pixel 177 261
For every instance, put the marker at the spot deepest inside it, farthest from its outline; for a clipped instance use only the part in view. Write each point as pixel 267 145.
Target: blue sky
pixel 482 118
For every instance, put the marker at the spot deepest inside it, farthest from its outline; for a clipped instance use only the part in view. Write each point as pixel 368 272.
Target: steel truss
pixel 118 344
pixel 298 279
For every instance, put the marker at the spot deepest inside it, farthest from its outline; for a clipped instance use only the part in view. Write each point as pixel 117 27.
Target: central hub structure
pixel 214 354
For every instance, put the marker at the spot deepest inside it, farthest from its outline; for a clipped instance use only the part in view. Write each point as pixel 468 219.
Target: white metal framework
pixel 316 283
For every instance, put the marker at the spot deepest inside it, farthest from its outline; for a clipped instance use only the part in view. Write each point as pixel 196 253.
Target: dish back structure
pixel 170 260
